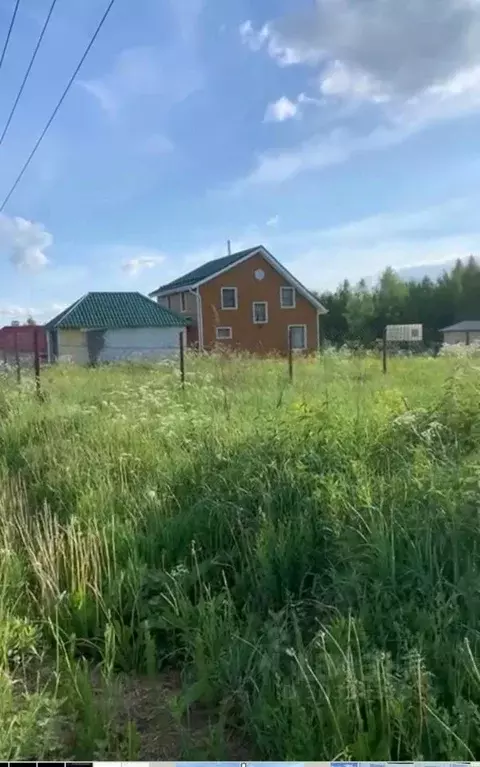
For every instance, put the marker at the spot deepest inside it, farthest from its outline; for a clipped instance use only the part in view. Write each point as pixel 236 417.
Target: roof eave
pixel 460 329
pixel 170 291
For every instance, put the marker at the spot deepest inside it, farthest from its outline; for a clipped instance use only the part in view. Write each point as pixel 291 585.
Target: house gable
pixel 213 269
pixel 258 320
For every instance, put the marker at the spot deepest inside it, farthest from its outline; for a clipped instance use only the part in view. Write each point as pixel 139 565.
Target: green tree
pixel 361 313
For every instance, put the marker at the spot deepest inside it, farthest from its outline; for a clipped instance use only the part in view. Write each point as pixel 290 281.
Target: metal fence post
pixel 36 363
pixel 290 355
pixel 384 350
pixel 17 356
pixel 182 361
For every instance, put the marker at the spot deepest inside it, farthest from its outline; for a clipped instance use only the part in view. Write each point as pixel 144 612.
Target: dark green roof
pixel 115 310
pixel 205 271
pixel 466 326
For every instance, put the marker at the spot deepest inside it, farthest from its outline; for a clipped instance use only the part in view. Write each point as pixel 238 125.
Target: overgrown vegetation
pixel 291 570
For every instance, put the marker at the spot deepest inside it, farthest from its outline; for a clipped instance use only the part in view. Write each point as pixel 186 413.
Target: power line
pixel 27 73
pixel 59 104
pixel 7 39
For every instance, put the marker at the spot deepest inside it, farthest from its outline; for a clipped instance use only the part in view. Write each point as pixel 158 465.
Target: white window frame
pixel 223 338
pixel 298 348
pixel 260 322
pixel 229 308
pixel 183 302
pixel 288 306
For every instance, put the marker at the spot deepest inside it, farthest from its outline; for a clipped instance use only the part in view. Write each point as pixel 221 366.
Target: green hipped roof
pixel 205 271
pixel 115 310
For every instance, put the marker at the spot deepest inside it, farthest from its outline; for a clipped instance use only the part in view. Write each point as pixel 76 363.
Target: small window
pixel 260 312
pixel 183 302
pixel 298 336
pixel 169 302
pixel 229 298
pixel 223 334
pixel 287 297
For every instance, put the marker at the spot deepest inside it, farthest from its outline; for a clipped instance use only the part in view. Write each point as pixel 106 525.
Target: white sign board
pixel 408 333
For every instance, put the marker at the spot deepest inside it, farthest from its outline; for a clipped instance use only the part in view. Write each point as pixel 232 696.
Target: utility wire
pixel 59 104
pixel 7 39
pixel 27 73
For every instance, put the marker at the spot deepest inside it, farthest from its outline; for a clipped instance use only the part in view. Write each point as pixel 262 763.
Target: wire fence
pixel 19 366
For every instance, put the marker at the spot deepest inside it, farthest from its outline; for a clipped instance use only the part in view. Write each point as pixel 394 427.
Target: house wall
pixel 173 302
pixel 460 337
pixel 121 344
pixel 131 343
pixel 273 336
pixel 72 345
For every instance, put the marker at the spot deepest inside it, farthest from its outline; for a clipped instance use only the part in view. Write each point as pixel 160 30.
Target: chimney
pixel 229 248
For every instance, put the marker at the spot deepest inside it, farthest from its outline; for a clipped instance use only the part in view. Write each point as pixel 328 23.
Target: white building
pixel 467 332
pixel 104 327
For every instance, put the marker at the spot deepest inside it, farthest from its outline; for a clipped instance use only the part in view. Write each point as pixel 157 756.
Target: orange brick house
pixel 247 301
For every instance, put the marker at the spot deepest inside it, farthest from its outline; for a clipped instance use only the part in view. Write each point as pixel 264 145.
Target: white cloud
pixel 9 312
pixel 273 221
pixel 144 259
pixel 406 47
pixel 15 312
pixel 284 54
pixel 339 79
pixel 319 152
pixel 281 110
pixel 146 72
pixel 136 72
pixel 24 242
pixel 374 52
pixel 250 37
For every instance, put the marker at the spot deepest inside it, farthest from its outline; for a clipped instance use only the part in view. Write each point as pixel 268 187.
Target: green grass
pixel 304 558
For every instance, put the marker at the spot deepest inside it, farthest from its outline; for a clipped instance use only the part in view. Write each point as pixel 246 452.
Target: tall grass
pixel 305 556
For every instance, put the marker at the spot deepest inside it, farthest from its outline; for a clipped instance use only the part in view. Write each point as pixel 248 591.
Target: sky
pixel 340 134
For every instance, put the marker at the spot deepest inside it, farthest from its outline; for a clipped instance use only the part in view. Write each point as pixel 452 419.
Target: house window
pixel 298 336
pixel 223 333
pixel 229 298
pixel 183 302
pixel 260 312
pixel 169 302
pixel 287 297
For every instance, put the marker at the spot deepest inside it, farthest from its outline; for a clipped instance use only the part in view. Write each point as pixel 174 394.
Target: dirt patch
pixel 149 704
pixel 128 717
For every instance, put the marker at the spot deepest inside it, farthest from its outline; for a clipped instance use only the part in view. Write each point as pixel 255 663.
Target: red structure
pixel 22 338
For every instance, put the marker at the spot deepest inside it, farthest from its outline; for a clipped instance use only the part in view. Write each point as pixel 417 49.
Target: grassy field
pixel 243 568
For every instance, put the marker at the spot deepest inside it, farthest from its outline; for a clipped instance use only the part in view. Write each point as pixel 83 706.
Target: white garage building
pixel 105 327
pixel 467 332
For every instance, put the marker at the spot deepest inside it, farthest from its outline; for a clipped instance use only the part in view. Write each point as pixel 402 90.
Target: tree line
pixel 359 313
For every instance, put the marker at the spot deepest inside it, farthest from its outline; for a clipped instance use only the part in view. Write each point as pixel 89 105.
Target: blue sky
pixel 341 134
